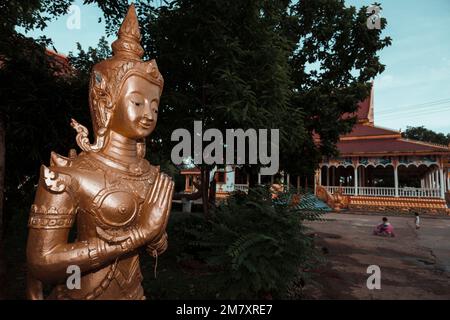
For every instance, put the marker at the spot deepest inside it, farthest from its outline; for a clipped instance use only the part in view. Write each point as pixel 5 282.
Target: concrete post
pixel 396 181
pixel 441 183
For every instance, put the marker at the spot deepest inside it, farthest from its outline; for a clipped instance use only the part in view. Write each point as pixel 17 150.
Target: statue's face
pixel 136 111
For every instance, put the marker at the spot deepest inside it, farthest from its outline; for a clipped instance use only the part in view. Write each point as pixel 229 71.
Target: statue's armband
pixel 54 206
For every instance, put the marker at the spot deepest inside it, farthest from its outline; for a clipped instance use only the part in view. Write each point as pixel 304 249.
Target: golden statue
pixel 119 201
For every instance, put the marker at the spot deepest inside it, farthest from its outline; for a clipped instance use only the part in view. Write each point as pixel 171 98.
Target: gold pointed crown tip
pixel 129 36
pixel 130 25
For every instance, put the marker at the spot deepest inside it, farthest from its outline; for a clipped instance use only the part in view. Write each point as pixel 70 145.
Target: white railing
pixel 419 192
pixel 389 192
pixel 350 191
pixel 376 192
pixel 241 187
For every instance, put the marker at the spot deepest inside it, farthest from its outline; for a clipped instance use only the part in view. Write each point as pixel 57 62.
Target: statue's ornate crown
pixel 128 47
pixel 128 43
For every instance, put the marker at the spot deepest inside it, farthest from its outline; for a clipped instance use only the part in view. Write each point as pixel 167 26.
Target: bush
pixel 256 245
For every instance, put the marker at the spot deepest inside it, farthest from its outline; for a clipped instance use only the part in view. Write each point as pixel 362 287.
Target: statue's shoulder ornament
pixel 59 176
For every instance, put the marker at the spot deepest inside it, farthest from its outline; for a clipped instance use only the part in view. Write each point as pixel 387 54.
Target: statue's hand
pixel 156 209
pixel 158 247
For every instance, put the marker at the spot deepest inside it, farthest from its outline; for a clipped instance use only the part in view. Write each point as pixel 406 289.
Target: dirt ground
pixel 414 265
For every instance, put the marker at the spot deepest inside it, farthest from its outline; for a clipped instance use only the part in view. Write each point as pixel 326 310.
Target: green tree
pixel 426 135
pixel 27 79
pixel 295 66
pixel 334 58
pixel 224 63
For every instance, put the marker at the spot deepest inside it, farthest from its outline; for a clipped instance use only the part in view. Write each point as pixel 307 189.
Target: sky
pixel 414 89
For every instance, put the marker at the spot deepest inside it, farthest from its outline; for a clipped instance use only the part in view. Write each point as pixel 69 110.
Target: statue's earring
pixel 83 139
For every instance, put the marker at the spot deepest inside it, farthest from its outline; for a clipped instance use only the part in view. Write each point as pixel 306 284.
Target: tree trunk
pixel 2 189
pixel 212 193
pixel 253 181
pixel 2 171
pixel 204 176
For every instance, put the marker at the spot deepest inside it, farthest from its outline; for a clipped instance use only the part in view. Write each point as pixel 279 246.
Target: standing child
pixel 417 220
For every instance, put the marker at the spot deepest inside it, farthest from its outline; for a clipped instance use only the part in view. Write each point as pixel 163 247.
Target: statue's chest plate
pixel 119 203
pixel 114 207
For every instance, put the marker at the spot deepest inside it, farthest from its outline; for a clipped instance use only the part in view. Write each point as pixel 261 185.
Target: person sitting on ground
pixel 384 229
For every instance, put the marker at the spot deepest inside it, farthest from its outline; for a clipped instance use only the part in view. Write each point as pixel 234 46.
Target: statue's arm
pixel 49 254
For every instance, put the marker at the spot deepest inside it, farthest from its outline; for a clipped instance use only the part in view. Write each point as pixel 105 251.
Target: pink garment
pixel 384 229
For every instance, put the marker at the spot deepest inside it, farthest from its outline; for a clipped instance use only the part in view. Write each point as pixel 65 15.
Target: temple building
pixel 378 169
pixel 229 179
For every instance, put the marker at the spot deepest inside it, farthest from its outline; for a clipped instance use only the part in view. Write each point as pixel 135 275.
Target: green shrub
pixel 256 245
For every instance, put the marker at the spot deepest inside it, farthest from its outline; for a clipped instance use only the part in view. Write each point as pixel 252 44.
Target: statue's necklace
pixel 135 168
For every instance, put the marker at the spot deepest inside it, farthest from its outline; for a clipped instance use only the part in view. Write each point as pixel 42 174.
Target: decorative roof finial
pixel 128 43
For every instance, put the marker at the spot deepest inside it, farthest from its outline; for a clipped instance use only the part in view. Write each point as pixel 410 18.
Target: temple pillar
pixel 287 181
pixel 436 179
pixel 396 180
pixel 448 179
pixel 317 180
pixel 259 178
pixel 441 183
pixel 432 179
pixel 356 180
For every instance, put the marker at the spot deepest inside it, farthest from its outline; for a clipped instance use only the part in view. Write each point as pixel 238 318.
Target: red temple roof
pixel 366 138
pixel 60 62
pixel 388 146
pixel 364 113
pixel 361 130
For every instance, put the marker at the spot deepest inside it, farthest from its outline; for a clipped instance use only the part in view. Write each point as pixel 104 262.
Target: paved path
pixel 414 265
